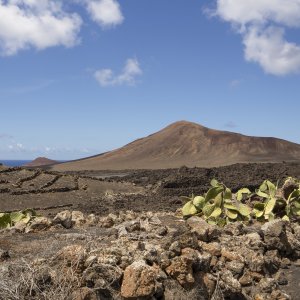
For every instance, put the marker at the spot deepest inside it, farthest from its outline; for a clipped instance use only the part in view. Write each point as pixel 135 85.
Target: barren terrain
pixel 119 235
pixel 189 144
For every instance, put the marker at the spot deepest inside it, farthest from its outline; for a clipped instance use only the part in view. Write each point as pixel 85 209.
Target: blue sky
pixel 89 76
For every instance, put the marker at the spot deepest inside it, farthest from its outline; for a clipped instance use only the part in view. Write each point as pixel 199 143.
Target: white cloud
pixel 36 23
pixel 41 24
pixel 106 13
pixel 272 51
pixel 16 147
pixel 262 25
pixel 286 12
pixel 131 70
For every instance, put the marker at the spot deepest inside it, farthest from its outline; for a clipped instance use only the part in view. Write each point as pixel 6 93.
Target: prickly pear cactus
pixel 10 219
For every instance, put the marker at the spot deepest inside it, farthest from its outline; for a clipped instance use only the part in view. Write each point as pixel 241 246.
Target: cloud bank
pixel 130 72
pixel 41 24
pixel 262 24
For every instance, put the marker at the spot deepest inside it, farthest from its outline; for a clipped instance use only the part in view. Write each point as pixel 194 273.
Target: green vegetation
pixel 220 206
pixel 10 219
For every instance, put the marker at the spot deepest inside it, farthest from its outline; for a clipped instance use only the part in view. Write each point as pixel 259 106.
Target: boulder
pixel 139 281
pixel 275 236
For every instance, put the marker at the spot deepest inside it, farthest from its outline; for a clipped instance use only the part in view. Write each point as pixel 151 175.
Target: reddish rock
pixel 139 281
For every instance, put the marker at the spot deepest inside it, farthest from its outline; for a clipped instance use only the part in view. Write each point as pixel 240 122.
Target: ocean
pixel 14 163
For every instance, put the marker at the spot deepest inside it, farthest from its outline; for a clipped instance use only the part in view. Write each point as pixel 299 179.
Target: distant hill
pixel 189 144
pixel 41 161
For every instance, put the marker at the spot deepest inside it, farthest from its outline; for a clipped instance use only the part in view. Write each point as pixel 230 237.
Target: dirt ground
pixel 101 192
pixel 107 192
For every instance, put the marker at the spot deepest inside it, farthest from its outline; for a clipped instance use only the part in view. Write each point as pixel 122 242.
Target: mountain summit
pixel 189 144
pixel 41 161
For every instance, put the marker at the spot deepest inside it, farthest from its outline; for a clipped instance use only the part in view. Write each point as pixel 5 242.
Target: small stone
pixel 285 263
pixel 77 218
pixel 231 255
pixel 38 224
pixel 256 262
pixel 64 218
pixel 259 297
pixel 236 267
pixel 84 293
pixel 234 229
pixel 122 232
pixel 175 247
pixel 266 285
pixel 92 220
pixel 161 231
pixel 212 248
pixel 246 280
pixel 4 255
pixel 209 282
pixel 256 276
pixel 155 220
pixel 20 227
pixel 273 228
pixel 133 226
pixel 214 261
pixel 107 222
pixel 232 285
pixel 279 295
pixel 281 278
pixel 181 269
pixel 204 261
pixel 151 256
pixel 272 261
pixel 204 231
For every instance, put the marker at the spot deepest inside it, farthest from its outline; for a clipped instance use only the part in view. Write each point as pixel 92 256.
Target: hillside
pixel 189 144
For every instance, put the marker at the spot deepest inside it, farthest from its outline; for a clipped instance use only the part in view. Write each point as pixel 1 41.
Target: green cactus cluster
pixel 8 220
pixel 219 206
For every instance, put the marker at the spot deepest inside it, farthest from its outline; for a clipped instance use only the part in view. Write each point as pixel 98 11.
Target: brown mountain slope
pixel 190 144
pixel 41 161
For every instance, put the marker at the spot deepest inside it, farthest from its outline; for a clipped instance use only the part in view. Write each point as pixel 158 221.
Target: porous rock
pixel 139 281
pixel 64 218
pixel 204 231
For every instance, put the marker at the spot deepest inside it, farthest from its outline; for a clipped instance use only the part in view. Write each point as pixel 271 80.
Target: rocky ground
pixel 123 237
pixel 101 192
pixel 148 256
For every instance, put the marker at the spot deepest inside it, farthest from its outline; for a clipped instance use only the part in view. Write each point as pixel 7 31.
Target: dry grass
pixel 24 281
